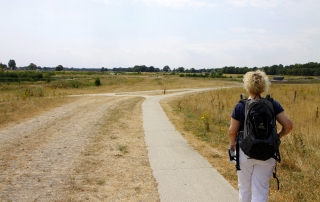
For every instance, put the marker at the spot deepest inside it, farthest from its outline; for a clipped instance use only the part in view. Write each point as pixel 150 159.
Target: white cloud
pixel 102 1
pixel 179 3
pixel 248 30
pixel 255 47
pixel 255 3
pixel 288 5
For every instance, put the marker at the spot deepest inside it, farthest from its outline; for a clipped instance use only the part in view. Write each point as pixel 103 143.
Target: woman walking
pixel 253 178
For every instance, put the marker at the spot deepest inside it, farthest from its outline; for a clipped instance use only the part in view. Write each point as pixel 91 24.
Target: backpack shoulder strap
pixel 237 155
pixel 269 98
pixel 275 175
pixel 243 101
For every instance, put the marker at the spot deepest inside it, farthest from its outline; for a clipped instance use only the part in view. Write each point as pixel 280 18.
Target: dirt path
pixel 92 149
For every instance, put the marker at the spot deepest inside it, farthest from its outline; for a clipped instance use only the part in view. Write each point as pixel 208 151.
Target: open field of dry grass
pixel 202 118
pixel 20 100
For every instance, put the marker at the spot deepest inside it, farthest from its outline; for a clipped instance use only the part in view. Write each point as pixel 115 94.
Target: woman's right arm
pixel 285 122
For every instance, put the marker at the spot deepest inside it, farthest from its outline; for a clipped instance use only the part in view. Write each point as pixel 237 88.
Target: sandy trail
pixel 89 150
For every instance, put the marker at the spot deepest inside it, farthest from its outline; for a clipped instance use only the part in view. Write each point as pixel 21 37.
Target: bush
pixel 21 76
pixel 75 84
pixel 97 82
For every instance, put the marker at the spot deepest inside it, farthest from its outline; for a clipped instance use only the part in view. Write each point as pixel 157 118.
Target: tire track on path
pixel 37 155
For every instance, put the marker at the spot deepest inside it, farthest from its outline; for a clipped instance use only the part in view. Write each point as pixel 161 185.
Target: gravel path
pixel 57 156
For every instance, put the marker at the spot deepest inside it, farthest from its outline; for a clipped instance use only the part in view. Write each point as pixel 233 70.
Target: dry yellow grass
pixel 20 101
pixel 298 171
pixel 17 105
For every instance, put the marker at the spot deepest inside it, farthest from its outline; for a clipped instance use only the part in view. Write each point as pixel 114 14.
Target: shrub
pixel 97 82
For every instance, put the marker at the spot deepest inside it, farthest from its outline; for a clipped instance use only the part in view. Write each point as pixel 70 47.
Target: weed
pixel 137 189
pixel 101 182
pixel 179 107
pixel 205 119
pixel 216 155
pixel 75 84
pixel 206 139
pixel 123 149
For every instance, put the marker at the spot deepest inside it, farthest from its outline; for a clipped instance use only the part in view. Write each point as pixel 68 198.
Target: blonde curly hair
pixel 256 82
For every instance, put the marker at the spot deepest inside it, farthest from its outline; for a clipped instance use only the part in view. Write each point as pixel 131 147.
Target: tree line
pixel 166 68
pixel 13 66
pixel 308 69
pixel 136 68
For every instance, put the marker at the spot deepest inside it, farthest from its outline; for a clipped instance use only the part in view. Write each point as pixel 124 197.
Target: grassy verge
pixel 114 166
pixel 207 115
pixel 22 101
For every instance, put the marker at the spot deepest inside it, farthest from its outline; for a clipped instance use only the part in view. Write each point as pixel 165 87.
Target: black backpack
pixel 259 139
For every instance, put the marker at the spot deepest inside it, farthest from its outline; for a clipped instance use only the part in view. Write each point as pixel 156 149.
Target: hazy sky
pixel 179 33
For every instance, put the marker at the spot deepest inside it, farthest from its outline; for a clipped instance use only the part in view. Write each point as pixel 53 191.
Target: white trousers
pixel 253 178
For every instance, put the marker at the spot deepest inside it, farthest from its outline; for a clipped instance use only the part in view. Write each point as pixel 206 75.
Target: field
pixel 202 118
pixel 20 100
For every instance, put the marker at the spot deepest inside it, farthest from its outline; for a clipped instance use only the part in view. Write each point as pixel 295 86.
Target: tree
pixel 140 68
pixel 59 68
pixel 32 66
pixel 102 69
pixel 180 69
pixel 2 66
pixel 166 68
pixel 273 70
pixel 150 69
pixel 12 64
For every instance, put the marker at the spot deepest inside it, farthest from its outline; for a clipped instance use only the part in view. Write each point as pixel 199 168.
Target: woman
pixel 253 178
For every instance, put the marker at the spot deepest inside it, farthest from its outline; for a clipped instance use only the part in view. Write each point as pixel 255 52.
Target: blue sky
pixel 181 33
